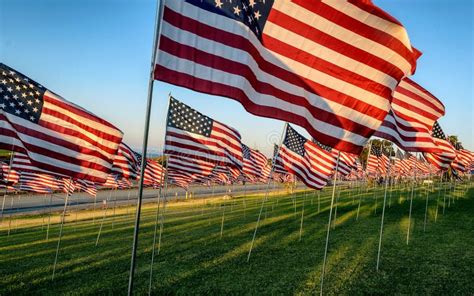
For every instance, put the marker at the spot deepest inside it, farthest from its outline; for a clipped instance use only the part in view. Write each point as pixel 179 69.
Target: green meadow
pixel 205 242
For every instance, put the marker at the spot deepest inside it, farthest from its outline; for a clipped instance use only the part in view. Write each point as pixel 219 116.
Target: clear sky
pixel 96 53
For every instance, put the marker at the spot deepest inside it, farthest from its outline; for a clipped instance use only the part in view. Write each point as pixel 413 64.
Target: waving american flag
pixel 328 66
pixel 57 135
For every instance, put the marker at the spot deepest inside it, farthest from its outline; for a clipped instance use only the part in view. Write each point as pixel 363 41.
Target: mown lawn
pixel 195 259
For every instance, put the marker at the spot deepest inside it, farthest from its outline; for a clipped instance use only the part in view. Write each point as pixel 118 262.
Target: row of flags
pixel 339 69
pixel 201 150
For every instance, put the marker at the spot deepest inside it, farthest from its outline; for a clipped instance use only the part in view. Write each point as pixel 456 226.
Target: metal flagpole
pixel 439 195
pixel 335 209
pixel 114 193
pixel 165 196
pixel 158 17
pixel 411 204
pixel 60 232
pixel 329 224
pixel 49 216
pixel 302 215
pixel 6 187
pixel 163 172
pixel 266 191
pixel 103 218
pixel 387 177
pixel 427 201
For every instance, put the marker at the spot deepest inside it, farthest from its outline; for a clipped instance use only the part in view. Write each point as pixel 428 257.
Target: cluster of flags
pixel 339 69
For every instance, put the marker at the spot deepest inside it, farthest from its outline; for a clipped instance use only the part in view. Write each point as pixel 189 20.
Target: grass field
pixel 195 259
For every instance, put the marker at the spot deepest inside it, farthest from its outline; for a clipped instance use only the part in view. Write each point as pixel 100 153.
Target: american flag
pixel 463 158
pixel 67 185
pixel 86 186
pixel 124 183
pixel 328 66
pixel 154 174
pixel 306 159
pixel 125 163
pixel 384 162
pixel 279 168
pixel 110 182
pixel 443 159
pixel 57 135
pixel 373 160
pixel 9 175
pixel 255 164
pixel 192 134
pixel 413 112
pixel 39 183
pixel 180 179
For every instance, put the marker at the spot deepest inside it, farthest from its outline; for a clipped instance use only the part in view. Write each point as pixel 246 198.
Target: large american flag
pixel 57 135
pixel 413 112
pixel 328 66
pixel 306 159
pixel 441 160
pixel 192 134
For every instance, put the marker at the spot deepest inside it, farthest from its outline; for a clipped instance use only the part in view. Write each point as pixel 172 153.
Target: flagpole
pixel 427 202
pixel 267 189
pixel 329 223
pixel 61 231
pixel 383 212
pixel 163 172
pixel 158 17
pixel 6 186
pixel 411 204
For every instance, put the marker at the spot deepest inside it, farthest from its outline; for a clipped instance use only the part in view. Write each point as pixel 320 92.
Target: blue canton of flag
pixel 252 13
pixel 19 95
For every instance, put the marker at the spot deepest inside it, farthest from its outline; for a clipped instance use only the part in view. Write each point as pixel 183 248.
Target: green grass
pixel 194 259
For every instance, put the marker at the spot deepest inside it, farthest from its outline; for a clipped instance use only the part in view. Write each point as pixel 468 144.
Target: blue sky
pixel 96 53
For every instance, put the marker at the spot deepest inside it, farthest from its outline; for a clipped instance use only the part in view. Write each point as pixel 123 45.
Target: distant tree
pixel 453 140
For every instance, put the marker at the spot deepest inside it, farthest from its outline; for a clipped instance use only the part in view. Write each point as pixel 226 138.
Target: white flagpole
pixel 162 178
pixel 329 224
pixel 158 18
pixel 427 202
pixel 61 230
pixel 267 189
pixel 383 212
pixel 6 187
pixel 411 204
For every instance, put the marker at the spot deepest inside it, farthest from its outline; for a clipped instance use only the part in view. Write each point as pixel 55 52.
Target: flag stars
pixel 237 10
pixel 218 3
pixel 257 15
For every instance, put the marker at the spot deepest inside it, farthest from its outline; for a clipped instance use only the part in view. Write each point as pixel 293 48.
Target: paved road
pixel 35 203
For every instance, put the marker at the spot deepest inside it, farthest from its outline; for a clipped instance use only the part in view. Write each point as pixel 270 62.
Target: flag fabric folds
pixel 255 164
pixel 125 163
pixel 306 160
pixel 413 112
pixel 39 183
pixel 57 135
pixel 328 66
